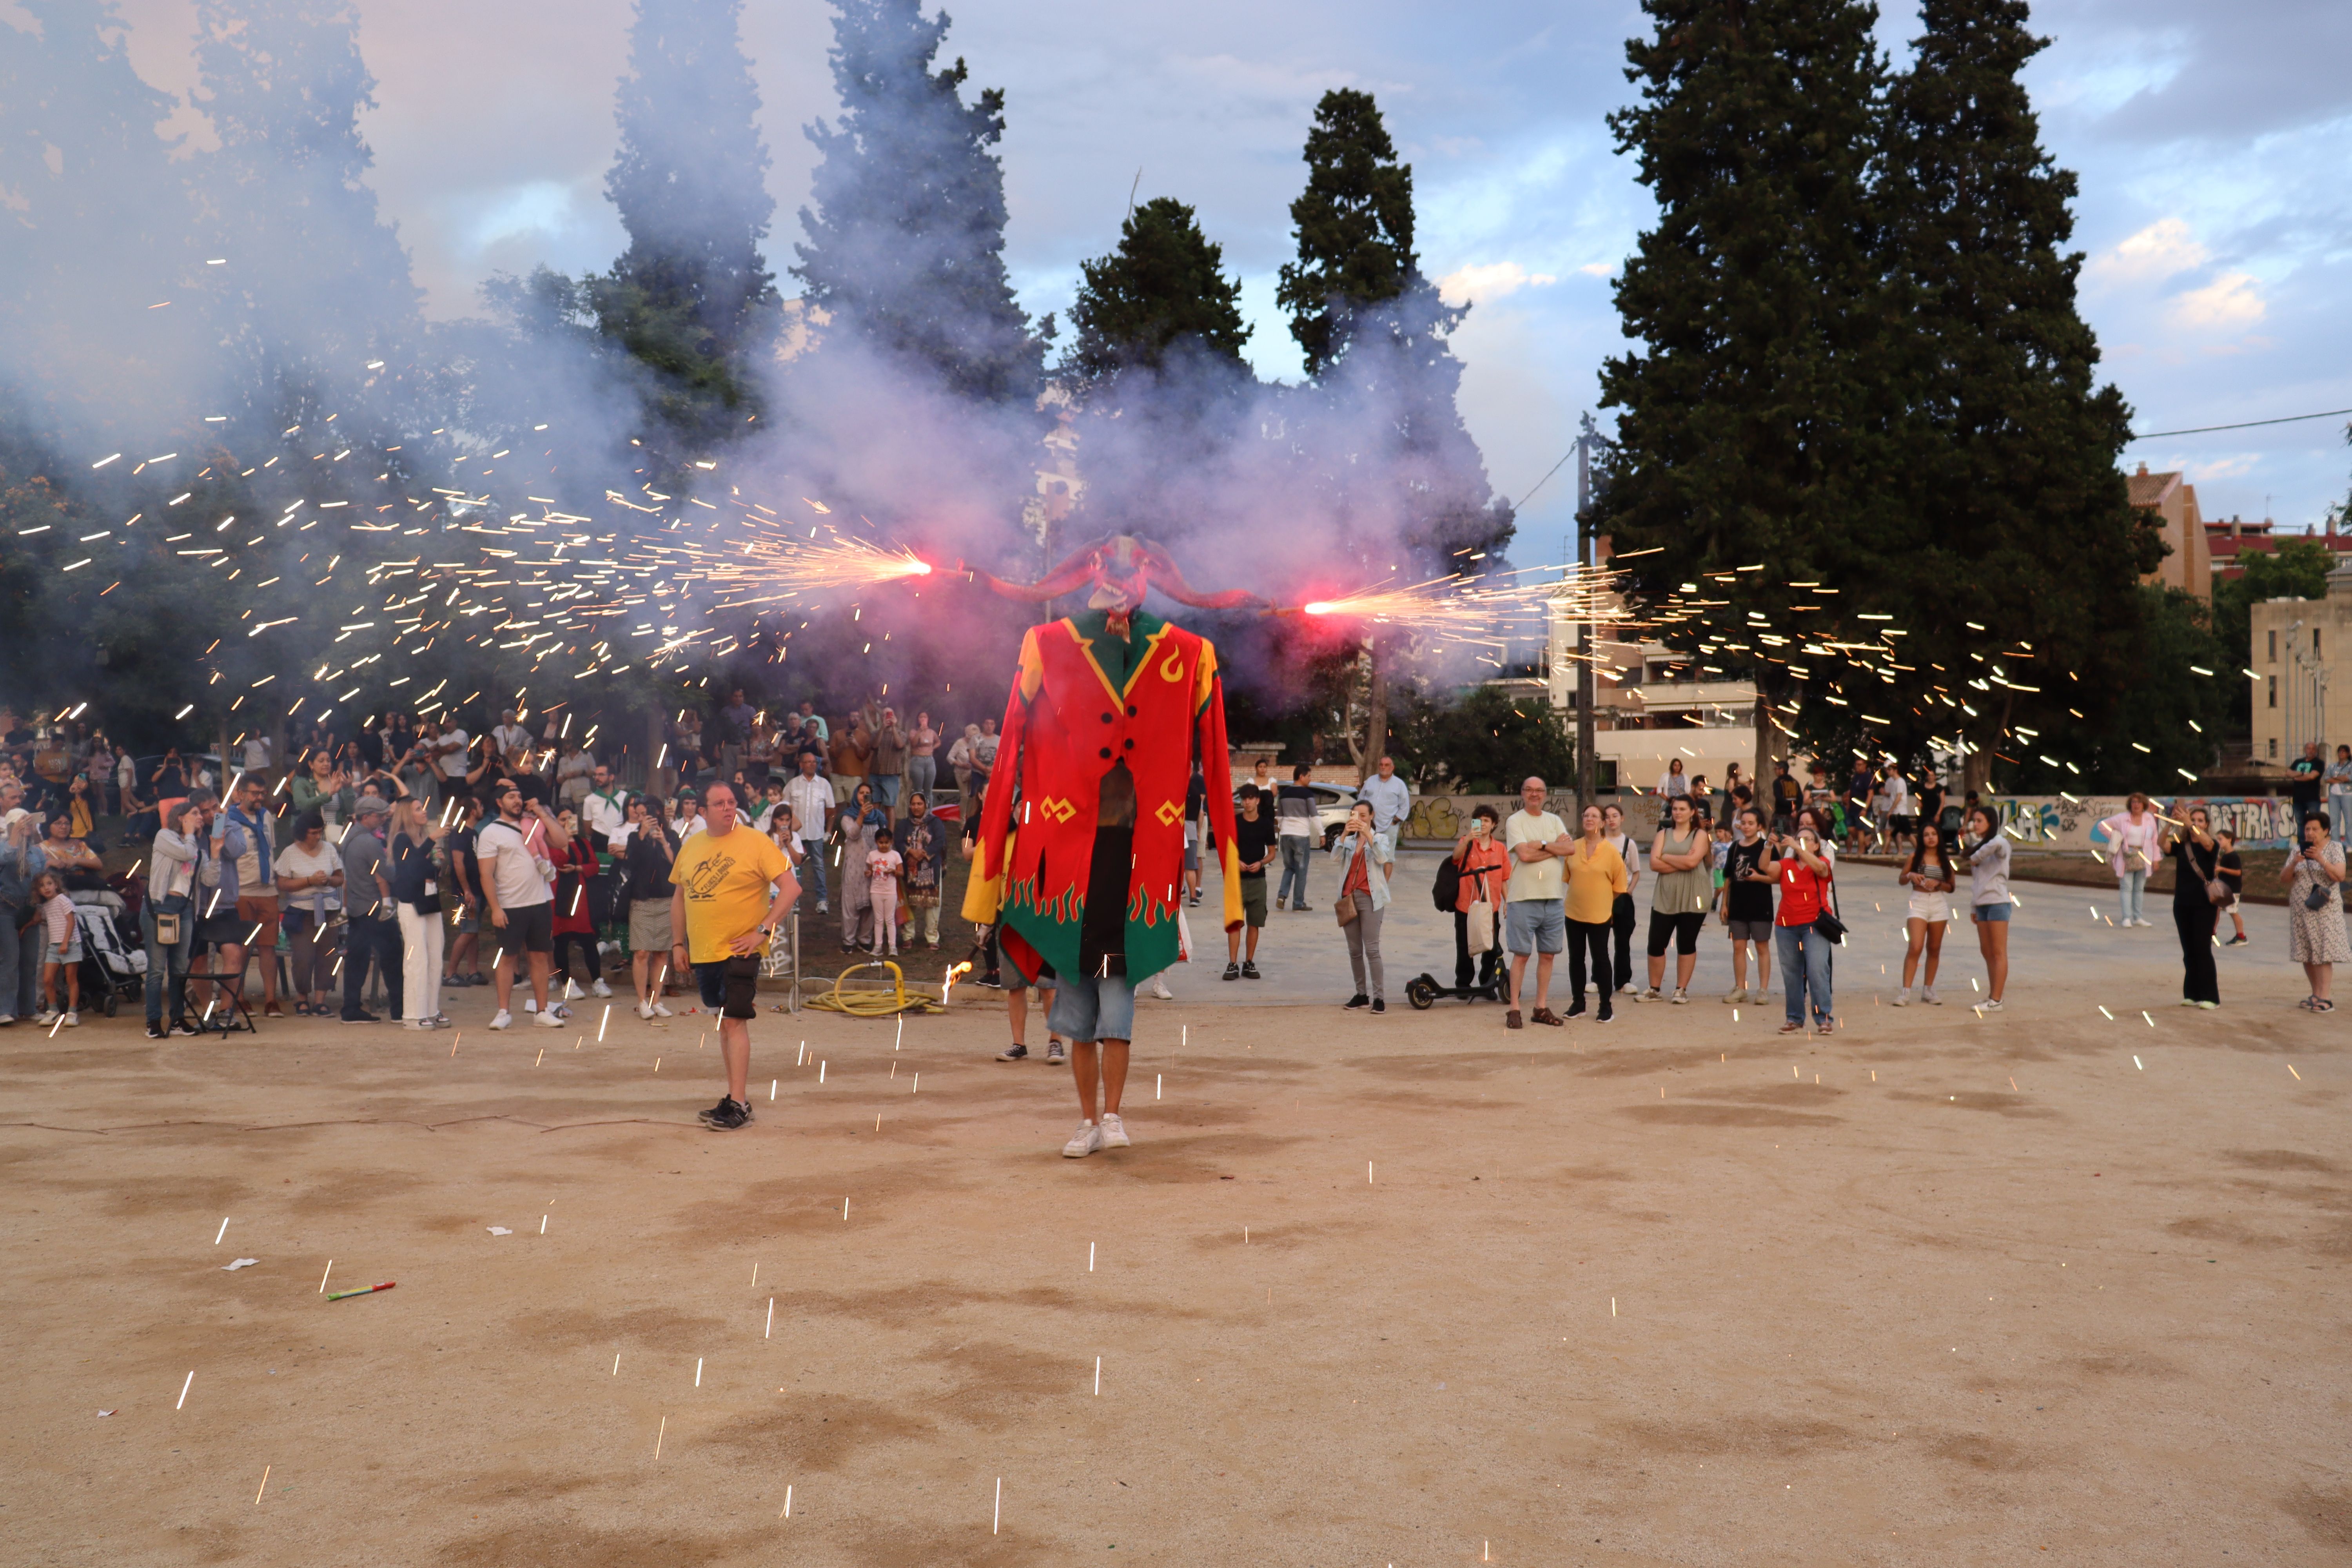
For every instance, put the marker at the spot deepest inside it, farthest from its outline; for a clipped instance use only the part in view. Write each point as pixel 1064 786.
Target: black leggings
pixel 564 941
pixel 2195 920
pixel 1621 921
pixel 1681 929
pixel 1592 935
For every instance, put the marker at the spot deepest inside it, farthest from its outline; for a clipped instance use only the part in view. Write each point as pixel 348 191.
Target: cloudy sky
pixel 2211 140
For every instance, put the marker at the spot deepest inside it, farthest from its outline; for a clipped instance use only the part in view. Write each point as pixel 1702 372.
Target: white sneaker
pixel 1083 1143
pixel 73 1020
pixel 548 1020
pixel 417 1023
pixel 1682 994
pixel 1738 996
pixel 44 1017
pixel 572 992
pixel 600 988
pixel 1114 1132
pixel 1989 1004
pixel 662 1012
pixel 1929 997
pixel 1651 994
pixel 823 907
pixel 502 1019
pixel 644 1009
pixel 1903 997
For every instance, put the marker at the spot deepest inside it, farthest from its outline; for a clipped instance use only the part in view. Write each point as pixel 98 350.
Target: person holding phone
pixel 2315 878
pixel 1805 877
pixel 1750 869
pixel 1989 900
pixel 517 854
pixel 1366 861
pixel 1931 878
pixel 1484 868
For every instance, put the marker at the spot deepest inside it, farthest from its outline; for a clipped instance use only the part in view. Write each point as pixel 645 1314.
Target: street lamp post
pixel 1587 768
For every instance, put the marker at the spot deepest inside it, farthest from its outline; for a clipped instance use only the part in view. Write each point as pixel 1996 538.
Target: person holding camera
pixel 2315 878
pixel 1805 875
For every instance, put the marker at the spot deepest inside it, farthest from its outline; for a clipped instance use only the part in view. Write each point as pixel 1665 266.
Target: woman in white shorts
pixel 1931 878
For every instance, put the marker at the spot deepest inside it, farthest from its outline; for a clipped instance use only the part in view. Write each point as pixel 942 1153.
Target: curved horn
pixel 1073 570
pixel 1169 580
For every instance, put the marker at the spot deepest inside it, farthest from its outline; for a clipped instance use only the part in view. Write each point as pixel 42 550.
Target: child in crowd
pixel 2233 872
pixel 60 950
pixel 882 867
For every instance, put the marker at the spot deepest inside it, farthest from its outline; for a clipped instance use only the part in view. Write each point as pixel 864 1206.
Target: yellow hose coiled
pixel 874 1001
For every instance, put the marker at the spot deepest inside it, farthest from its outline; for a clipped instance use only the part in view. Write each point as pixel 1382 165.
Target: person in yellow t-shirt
pixel 730 887
pixel 1596 875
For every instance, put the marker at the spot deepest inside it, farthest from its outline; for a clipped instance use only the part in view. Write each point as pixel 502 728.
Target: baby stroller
pixel 112 968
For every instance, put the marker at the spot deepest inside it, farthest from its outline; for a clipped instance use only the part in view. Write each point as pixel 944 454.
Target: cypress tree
pixel 2019 513
pixel 906 236
pixel 692 297
pixel 1746 431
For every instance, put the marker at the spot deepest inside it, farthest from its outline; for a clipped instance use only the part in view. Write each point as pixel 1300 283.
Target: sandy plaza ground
pixel 2051 1285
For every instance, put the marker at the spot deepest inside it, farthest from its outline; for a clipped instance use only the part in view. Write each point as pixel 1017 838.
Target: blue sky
pixel 2210 142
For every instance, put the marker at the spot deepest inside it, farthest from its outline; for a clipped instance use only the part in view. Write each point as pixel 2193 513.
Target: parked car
pixel 1332 804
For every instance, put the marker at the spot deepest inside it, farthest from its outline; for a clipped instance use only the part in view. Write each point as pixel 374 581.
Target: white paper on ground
pixel 240 1263
pixel 500 1230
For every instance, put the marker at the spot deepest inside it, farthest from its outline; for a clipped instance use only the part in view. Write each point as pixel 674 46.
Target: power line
pixel 2248 425
pixel 1556 468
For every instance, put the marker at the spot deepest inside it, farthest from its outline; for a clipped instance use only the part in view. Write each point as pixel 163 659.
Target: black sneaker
pixel 1358 1000
pixel 1576 1011
pixel 1379 1005
pixel 1017 1054
pixel 363 1016
pixel 992 980
pixel 157 1032
pixel 1302 909
pixel 726 1115
pixel 180 1027
pixel 1605 1016
pixel 1249 971
pixel 1233 972
pixel 1054 1054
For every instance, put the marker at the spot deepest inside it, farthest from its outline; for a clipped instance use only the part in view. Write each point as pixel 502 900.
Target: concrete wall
pixel 2051 822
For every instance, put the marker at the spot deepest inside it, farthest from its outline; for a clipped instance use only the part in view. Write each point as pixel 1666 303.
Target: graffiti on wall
pixel 2054 822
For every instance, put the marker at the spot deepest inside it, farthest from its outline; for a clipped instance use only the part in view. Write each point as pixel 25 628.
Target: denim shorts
pixel 730 986
pixel 1983 912
pixel 69 953
pixel 1097 1007
pixel 1535 925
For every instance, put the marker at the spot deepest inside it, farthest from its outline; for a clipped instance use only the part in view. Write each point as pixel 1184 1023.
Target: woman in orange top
pixel 1478 855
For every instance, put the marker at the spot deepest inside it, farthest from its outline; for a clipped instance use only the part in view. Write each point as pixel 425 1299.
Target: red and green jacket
pixel 1083 701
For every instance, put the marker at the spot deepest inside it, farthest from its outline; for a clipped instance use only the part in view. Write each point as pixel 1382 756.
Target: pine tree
pixel 1747 436
pixel 95 216
pixel 313 283
pixel 1162 290
pixel 692 297
pixel 906 236
pixel 1354 226
pixel 2022 536
pixel 1380 423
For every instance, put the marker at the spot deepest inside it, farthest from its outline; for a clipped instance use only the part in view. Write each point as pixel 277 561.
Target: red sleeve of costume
pixel 985 891
pixel 1217 772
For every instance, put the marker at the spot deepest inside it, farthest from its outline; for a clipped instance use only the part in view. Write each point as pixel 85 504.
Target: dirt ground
pixel 2043 1286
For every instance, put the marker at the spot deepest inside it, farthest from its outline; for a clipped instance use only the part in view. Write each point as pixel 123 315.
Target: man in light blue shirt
pixel 1391 801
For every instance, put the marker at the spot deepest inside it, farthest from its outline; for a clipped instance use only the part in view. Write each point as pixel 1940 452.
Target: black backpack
pixel 1447 887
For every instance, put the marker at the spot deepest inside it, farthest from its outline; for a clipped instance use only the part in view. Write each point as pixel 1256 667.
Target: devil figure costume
pixel 1082 834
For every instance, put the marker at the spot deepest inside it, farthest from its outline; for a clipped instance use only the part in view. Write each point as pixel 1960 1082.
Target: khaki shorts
pixel 649 925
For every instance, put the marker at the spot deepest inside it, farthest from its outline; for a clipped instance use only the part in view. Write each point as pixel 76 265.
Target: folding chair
pixel 219 1016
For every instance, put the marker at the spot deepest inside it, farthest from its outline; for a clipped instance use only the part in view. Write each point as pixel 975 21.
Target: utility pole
pixel 1588 767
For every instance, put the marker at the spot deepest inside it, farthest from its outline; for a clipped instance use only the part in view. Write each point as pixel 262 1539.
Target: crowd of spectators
pixel 347 864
